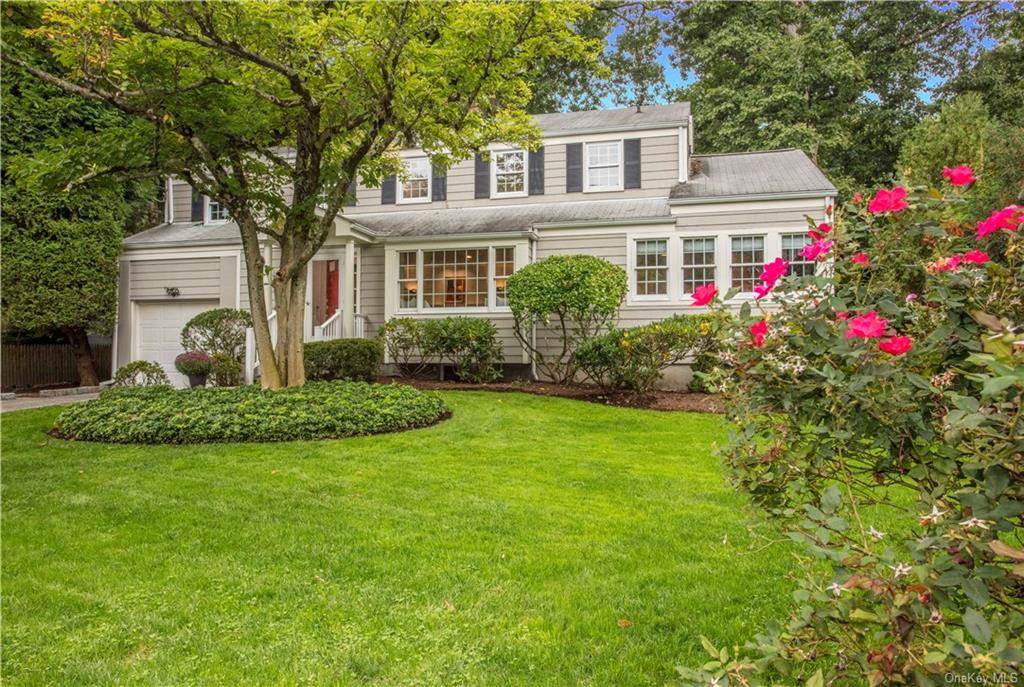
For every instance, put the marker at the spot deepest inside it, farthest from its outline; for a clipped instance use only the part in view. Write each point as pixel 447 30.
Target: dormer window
pixel 415 188
pixel 603 166
pixel 215 212
pixel 508 172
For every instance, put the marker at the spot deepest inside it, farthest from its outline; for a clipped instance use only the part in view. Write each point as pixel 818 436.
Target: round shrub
pixel 221 330
pixel 567 299
pixel 353 359
pixel 193 363
pixel 226 370
pixel 141 373
pixel 403 340
pixel 470 344
pixel 318 410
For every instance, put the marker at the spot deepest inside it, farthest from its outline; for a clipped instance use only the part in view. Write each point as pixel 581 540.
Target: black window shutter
pixel 573 167
pixel 482 174
pixel 387 191
pixel 631 167
pixel 439 184
pixel 350 195
pixel 537 172
pixel 197 206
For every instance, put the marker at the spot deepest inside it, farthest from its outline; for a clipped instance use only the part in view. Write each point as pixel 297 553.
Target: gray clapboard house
pixel 619 184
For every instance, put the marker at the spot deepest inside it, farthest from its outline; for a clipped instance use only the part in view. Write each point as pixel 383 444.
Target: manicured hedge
pixel 318 410
pixel 354 359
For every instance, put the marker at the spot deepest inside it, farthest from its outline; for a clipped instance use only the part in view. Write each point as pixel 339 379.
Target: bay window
pixel 454 278
pixel 415 188
pixel 603 166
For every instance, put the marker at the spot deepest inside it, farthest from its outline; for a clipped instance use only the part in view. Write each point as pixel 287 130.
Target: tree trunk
pixel 270 376
pixel 79 340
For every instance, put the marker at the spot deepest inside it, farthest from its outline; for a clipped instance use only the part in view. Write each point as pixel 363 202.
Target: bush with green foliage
pixel 221 330
pixel 403 341
pixel 634 359
pixel 470 344
pixel 141 373
pixel 318 410
pixel 193 363
pixel 352 359
pixel 878 413
pixel 226 371
pixel 560 302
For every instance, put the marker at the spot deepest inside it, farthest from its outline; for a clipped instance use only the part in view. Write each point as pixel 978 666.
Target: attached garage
pixel 158 331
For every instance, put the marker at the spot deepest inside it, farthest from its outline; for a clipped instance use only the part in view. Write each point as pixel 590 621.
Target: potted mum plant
pixel 196 365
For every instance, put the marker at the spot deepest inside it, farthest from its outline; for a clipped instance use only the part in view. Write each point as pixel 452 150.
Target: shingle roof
pixel 513 218
pixel 752 174
pixel 623 118
pixel 195 233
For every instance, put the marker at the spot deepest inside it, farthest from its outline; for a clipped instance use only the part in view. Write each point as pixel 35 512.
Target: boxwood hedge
pixel 318 410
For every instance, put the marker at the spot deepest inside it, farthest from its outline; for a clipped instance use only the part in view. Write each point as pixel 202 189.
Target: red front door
pixel 325 290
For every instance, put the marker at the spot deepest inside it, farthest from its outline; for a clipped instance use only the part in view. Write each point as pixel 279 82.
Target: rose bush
pixel 877 414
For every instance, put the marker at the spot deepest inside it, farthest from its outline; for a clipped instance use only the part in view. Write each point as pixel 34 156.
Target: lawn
pixel 509 545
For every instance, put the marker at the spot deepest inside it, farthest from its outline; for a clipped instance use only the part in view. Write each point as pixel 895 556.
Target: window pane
pixel 602 165
pixel 217 211
pixel 407 279
pixel 510 172
pixel 504 263
pixel 747 261
pixel 651 267
pixel 455 278
pixel 792 244
pixel 418 183
pixel 698 263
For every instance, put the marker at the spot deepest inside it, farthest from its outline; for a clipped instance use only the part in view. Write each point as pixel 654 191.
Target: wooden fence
pixel 26 366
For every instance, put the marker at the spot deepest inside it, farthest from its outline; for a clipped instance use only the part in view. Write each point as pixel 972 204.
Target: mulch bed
pixel 657 400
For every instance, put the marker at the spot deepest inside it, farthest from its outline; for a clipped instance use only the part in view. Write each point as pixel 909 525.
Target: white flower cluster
pixel 784 360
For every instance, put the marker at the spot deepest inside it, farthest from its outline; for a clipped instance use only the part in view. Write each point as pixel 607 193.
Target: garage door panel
pixel 159 332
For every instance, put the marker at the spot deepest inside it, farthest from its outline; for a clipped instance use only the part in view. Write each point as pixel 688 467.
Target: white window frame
pixel 207 214
pixel 420 309
pixel 798 259
pixel 494 174
pixel 683 293
pixel 495 276
pixel 636 296
pixel 770 250
pixel 400 183
pixel 586 168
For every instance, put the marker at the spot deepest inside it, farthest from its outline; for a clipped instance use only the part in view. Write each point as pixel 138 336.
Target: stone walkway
pixel 26 402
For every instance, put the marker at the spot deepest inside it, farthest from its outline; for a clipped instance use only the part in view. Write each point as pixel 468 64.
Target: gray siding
pixel 712 219
pixel 182 201
pixel 611 247
pixel 194 277
pixel 371 287
pixel 659 172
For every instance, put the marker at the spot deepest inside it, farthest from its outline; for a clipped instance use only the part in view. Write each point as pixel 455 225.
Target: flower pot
pixel 196 380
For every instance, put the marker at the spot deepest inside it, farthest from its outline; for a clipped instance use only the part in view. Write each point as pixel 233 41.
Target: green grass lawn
pixel 501 547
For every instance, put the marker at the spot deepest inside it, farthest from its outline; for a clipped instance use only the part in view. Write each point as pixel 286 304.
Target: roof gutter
pixel 795 195
pixel 180 244
pixel 448 237
pixel 584 223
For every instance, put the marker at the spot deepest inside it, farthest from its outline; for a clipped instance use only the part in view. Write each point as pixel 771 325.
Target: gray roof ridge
pixel 751 152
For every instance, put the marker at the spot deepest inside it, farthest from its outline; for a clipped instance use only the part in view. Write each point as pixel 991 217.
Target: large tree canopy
pixel 273 108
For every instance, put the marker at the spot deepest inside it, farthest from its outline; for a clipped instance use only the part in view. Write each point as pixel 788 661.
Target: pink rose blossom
pixel 896 345
pixel 857 198
pixel 860 259
pixel 976 256
pixel 759 331
pixel 816 250
pixel 911 297
pixel 1007 218
pixel 774 270
pixel 842 315
pixel 820 232
pixel 703 295
pixel 959 176
pixel 866 326
pixel 943 264
pixel 762 290
pixel 888 201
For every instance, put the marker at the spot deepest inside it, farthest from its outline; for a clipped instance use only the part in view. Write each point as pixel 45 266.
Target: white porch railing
pixel 332 328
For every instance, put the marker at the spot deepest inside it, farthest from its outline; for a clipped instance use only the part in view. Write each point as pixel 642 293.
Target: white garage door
pixel 159 332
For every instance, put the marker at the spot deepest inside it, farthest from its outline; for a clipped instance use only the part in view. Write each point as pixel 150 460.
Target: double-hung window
pixel 650 273
pixel 792 244
pixel 215 212
pixel 504 264
pixel 747 261
pixel 698 263
pixel 415 188
pixel 408 282
pixel 509 169
pixel 603 166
